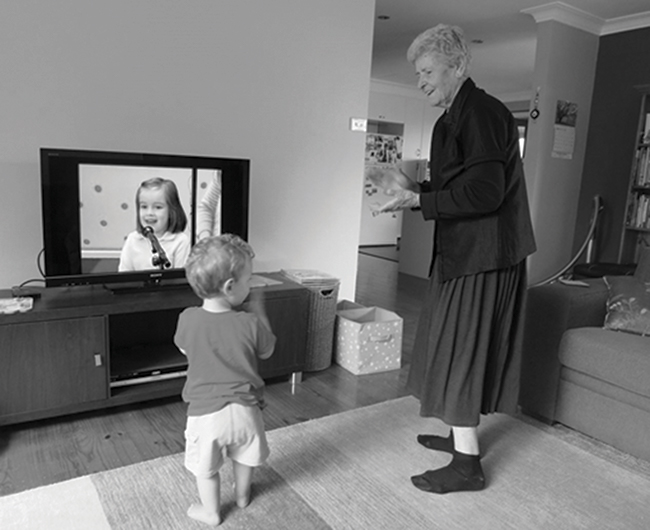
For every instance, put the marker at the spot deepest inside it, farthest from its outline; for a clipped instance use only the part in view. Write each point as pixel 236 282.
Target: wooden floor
pixel 50 451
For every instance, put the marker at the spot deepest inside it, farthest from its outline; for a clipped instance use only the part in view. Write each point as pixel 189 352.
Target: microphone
pixel 160 258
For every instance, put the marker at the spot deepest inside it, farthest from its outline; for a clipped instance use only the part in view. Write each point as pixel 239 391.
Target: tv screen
pixel 125 218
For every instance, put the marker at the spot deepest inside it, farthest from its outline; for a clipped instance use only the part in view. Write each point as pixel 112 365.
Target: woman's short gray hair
pixel 443 40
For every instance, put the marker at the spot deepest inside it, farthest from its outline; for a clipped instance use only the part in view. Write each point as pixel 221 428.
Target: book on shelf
pixel 646 130
pixel 639 212
pixel 642 167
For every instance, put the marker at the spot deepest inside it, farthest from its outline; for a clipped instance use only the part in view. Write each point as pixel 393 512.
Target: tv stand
pixel 82 348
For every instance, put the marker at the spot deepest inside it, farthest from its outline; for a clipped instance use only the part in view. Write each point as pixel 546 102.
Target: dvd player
pixel 140 364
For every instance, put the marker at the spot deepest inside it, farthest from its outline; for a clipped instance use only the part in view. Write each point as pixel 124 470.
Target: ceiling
pixel 503 60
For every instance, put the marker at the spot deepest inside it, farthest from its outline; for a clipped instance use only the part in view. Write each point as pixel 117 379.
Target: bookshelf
pixel 636 228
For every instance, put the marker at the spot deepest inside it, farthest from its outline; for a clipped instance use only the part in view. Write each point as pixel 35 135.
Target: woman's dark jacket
pixel 477 193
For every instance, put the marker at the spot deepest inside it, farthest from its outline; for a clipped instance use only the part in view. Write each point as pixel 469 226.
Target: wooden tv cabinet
pixel 62 356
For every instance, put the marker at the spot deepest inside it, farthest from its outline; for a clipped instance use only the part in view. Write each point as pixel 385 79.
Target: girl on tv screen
pixel 159 240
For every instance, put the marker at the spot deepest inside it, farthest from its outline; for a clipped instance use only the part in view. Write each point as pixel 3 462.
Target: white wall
pixel 276 82
pixel 565 66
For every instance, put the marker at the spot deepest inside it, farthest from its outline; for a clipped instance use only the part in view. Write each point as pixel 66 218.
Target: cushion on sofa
pixel 628 304
pixel 622 359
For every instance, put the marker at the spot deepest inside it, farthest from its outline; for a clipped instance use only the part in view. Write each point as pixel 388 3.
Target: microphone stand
pixel 159 258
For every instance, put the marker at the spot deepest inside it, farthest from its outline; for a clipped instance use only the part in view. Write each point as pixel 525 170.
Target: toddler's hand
pixel 255 304
pixel 255 301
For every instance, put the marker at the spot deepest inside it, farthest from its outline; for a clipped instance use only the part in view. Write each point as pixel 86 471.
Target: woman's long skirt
pixel 467 353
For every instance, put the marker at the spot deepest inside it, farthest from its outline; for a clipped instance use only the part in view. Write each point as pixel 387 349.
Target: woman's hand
pixel 404 200
pixel 390 179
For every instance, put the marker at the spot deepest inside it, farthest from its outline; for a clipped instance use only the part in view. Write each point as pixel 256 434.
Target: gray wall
pixel 623 64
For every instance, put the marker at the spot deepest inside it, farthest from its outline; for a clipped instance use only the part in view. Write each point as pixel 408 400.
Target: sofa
pixel 586 357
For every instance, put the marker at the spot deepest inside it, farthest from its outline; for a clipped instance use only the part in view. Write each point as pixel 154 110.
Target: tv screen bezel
pixel 58 192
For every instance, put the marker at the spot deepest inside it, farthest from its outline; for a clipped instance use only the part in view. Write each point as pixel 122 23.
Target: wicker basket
pixel 320 327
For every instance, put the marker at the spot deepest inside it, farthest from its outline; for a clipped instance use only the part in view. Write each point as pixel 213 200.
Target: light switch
pixel 358 124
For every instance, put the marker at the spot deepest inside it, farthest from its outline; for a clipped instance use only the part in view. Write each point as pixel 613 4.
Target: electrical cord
pixel 38 262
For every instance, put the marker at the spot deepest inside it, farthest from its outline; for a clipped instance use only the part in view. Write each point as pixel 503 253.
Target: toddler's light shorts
pixel 236 429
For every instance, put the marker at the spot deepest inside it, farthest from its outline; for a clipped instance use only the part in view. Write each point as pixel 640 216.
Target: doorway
pixel 380 234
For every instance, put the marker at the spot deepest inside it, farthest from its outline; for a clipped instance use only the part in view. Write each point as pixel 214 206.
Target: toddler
pixel 223 387
pixel 157 206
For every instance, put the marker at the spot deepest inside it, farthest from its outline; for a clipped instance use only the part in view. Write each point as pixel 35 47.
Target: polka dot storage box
pixel 368 339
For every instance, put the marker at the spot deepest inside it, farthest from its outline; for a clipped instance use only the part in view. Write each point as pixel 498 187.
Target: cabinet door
pixel 288 319
pixel 49 365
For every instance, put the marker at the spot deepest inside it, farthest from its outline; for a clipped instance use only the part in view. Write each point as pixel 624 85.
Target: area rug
pixel 351 471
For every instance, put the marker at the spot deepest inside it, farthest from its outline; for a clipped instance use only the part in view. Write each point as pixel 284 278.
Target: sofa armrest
pixel 550 311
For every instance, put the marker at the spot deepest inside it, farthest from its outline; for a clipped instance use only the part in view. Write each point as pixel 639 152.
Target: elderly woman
pixel 466 356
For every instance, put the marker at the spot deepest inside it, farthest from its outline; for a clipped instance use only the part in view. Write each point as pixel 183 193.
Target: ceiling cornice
pixel 620 24
pixel 572 16
pixel 569 15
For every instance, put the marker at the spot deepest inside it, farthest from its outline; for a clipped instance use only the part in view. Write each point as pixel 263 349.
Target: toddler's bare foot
pixel 199 513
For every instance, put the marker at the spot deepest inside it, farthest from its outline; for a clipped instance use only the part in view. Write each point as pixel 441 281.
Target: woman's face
pixel 154 210
pixel 439 81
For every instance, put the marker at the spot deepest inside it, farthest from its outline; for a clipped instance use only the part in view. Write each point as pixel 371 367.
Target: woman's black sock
pixel 437 443
pixel 464 473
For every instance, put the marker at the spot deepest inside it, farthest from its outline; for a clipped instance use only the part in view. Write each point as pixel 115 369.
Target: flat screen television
pixel 89 209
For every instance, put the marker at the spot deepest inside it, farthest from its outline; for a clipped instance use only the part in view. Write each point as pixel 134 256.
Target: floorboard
pixel 49 451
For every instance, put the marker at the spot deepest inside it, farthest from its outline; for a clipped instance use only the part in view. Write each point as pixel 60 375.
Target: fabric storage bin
pixel 368 339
